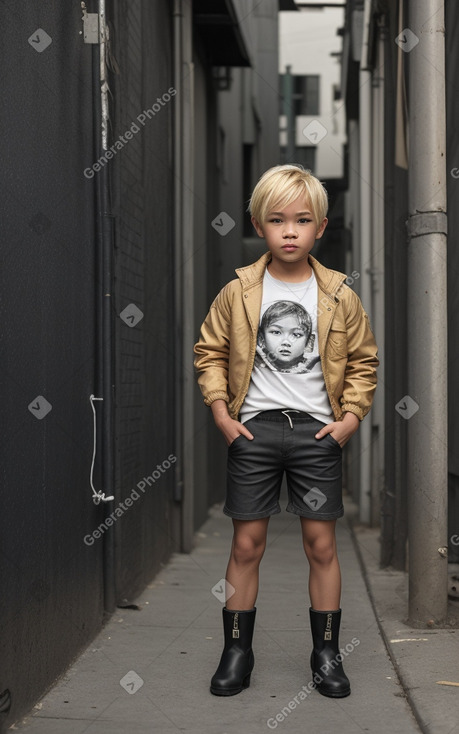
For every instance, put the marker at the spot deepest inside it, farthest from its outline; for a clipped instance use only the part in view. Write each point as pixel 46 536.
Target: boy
pixel 276 419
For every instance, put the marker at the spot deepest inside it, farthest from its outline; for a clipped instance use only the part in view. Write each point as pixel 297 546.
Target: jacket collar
pixel 328 280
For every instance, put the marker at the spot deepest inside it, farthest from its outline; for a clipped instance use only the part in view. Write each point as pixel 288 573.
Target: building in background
pixel 400 89
pixel 310 54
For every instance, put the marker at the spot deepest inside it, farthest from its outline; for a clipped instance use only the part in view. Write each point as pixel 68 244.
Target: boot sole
pixel 343 694
pixel 231 691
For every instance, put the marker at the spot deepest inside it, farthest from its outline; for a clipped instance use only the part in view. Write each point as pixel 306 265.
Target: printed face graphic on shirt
pixel 284 337
pixel 285 340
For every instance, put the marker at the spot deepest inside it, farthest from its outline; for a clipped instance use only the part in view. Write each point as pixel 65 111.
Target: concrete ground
pixel 426 660
pixel 149 669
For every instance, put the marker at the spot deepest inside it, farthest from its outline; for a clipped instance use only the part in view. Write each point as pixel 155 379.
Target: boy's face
pixel 291 231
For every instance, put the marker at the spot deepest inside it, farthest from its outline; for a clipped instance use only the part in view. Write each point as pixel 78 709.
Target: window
pixel 306 95
pixel 304 154
pixel 305 90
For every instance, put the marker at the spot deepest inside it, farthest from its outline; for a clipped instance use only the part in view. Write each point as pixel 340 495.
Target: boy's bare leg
pixel 248 546
pixel 324 575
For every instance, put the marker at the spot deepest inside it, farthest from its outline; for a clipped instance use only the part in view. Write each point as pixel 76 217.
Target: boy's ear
pixel 257 227
pixel 321 228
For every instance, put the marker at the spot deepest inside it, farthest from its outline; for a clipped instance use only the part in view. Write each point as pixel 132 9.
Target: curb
pixel 406 691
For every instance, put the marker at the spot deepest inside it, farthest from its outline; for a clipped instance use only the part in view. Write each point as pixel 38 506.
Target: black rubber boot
pixel 326 658
pixel 237 660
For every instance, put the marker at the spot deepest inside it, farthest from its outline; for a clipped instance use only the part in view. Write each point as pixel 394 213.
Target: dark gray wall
pixel 144 276
pixel 52 601
pixel 52 583
pixel 394 492
pixel 207 490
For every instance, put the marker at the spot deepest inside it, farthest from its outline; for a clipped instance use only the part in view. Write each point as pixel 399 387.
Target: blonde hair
pixel 281 185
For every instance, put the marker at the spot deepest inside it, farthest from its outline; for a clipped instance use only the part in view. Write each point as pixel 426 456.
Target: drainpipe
pixel 377 274
pixel 178 238
pixel 105 385
pixel 289 113
pixel 183 252
pixel 427 318
pixel 365 247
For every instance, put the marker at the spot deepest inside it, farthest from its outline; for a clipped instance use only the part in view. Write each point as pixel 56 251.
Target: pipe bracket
pixel 424 223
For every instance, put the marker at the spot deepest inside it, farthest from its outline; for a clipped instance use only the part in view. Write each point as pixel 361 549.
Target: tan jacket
pixel 228 339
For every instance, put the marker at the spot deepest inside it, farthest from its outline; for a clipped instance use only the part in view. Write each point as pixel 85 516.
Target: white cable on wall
pixel 97 497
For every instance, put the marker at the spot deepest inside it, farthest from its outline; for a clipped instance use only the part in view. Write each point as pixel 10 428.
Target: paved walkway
pixel 149 669
pixel 427 660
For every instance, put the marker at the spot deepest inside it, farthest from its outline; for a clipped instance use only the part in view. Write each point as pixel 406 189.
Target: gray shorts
pixel 284 441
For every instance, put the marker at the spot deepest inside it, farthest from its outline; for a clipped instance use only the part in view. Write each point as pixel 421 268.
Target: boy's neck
pixel 290 272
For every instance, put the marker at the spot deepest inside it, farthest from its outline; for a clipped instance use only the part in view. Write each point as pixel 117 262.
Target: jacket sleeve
pixel 212 349
pixel 360 374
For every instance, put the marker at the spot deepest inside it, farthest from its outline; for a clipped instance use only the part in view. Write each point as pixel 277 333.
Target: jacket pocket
pixel 337 342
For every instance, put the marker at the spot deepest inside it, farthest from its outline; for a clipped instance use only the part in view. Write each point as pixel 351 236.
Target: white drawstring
pixel 97 497
pixel 286 413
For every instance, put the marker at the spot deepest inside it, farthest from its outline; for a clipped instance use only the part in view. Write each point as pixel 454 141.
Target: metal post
pixel 377 273
pixel 289 112
pixel 183 249
pixel 105 378
pixel 427 317
pixel 366 218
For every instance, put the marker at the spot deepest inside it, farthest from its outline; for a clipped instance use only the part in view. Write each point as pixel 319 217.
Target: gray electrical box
pixel 91 28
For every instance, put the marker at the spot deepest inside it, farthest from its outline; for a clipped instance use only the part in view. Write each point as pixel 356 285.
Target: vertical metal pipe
pixel 365 249
pixel 178 234
pixel 183 247
pixel 377 273
pixel 427 317
pixel 289 112
pixel 105 224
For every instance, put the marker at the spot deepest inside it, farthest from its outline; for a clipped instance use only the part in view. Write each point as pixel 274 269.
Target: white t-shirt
pixel 287 372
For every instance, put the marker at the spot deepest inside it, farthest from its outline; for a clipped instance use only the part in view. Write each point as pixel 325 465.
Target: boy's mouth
pixel 289 248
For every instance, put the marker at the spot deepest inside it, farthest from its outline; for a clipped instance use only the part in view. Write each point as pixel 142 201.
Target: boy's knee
pixel 247 550
pixel 322 552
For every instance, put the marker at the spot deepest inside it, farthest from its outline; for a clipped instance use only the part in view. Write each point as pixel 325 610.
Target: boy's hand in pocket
pixel 230 428
pixel 342 430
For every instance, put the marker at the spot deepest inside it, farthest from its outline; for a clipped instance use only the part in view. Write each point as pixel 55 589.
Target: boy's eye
pixel 302 220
